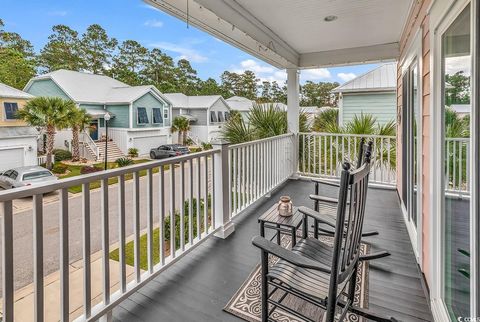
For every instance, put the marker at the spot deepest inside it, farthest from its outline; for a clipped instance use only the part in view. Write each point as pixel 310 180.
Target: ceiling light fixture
pixel 330 18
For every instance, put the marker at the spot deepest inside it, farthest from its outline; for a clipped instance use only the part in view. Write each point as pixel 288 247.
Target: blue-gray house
pixel 140 115
pixel 374 92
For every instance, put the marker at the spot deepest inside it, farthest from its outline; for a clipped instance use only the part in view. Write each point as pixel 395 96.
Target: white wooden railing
pixel 157 194
pixel 321 155
pixel 457 165
pixel 257 167
pixel 87 139
pixel 42 159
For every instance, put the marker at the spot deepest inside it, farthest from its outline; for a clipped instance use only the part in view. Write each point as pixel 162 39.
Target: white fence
pixel 321 155
pixel 42 159
pixel 457 165
pixel 179 192
pixel 257 167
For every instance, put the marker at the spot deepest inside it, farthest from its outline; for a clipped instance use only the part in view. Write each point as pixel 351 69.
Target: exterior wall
pixel 419 20
pixel 144 140
pixel 122 116
pixel 46 87
pixel 149 102
pixel 29 146
pixel 198 133
pixel 381 105
pixel 201 115
pixel 3 121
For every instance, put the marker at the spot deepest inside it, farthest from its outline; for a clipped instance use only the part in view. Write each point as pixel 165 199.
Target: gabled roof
pixel 8 91
pixel 239 103
pixel 91 88
pixel 382 78
pixel 180 100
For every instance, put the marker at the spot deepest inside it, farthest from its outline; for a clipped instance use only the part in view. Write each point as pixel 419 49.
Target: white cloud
pixel 184 51
pixel 346 76
pixel 60 13
pixel 457 64
pixel 316 74
pixel 153 23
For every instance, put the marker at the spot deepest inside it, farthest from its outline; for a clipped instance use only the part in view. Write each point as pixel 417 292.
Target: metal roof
pixel 93 88
pixel 16 131
pixel 180 100
pixel 8 91
pixel 382 78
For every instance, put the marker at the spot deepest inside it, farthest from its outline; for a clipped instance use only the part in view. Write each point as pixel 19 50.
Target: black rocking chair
pixel 314 271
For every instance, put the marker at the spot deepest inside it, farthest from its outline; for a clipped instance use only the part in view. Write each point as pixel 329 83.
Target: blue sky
pixel 133 19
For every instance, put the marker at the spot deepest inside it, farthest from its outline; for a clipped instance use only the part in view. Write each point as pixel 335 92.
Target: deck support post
pixel 293 112
pixel 222 191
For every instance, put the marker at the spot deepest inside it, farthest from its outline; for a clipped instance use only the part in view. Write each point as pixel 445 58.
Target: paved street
pixel 23 243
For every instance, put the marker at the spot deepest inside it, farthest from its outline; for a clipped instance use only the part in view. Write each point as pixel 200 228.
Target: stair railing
pixel 87 139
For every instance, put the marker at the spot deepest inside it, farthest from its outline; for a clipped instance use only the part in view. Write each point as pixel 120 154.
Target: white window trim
pixel 5 112
pixel 136 114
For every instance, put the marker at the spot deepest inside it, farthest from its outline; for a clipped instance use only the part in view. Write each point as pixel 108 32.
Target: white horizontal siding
pixel 380 105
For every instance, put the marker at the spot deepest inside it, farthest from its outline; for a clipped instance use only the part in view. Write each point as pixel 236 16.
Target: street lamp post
pixel 106 118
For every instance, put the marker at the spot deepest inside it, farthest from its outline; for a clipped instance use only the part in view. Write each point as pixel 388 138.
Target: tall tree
pixel 79 119
pixel 318 94
pixel 97 49
pixel 62 50
pixel 15 69
pixel 457 88
pixel 14 41
pixel 160 71
pixel 49 114
pixel 244 84
pixel 266 94
pixel 187 80
pixel 129 62
pixel 209 87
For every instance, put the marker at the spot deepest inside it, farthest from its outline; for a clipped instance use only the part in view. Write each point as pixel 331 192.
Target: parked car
pixel 168 150
pixel 25 176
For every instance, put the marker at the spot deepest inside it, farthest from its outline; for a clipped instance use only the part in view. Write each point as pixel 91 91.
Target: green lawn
pixel 74 170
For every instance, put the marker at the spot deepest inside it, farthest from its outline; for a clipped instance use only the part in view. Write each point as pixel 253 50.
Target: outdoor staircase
pixel 113 151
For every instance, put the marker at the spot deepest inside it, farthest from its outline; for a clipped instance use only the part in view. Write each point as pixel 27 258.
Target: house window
pixel 11 110
pixel 142 117
pixel 157 116
pixel 213 117
pixel 165 113
pixel 220 116
pixel 227 116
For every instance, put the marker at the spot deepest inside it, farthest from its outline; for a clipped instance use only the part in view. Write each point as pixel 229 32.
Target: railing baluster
pixel 247 175
pixel 86 250
pixel 213 208
pixel 234 180
pixel 121 233
pixel 454 163
pixel 190 204
pixel 205 204
pixel 64 257
pixel 303 152
pixel 381 160
pixel 105 244
pixel 173 243
pixel 182 206
pixel 161 192
pixel 447 181
pixel 150 220
pixel 199 223
pixel 7 262
pixel 136 225
pixel 38 257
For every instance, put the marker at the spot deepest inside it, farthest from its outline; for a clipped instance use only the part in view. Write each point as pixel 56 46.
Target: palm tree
pixel 181 125
pixel 237 131
pixel 326 121
pixel 49 114
pixel 79 120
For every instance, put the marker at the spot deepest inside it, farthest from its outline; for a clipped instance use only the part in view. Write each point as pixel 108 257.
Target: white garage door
pixel 11 158
pixel 144 145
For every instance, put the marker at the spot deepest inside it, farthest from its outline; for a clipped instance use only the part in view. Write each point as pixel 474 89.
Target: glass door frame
pixel 414 58
pixel 441 17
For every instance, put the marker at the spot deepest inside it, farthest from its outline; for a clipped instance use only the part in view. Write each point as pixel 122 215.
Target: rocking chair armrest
pixel 323 199
pixel 289 256
pixel 322 218
pixel 326 182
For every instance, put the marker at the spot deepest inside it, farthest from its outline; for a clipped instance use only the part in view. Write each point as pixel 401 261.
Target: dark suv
pixel 168 150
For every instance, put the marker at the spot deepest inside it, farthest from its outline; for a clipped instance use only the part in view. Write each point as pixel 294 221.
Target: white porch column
pixel 293 99
pixel 222 190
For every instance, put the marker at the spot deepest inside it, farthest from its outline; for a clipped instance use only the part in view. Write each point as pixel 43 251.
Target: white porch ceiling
pixel 289 33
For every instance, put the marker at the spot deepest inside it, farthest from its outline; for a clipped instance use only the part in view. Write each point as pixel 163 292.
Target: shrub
pixel 59 168
pixel 61 155
pixel 194 149
pixel 189 141
pixel 123 162
pixel 89 169
pixel 133 152
pixel 207 146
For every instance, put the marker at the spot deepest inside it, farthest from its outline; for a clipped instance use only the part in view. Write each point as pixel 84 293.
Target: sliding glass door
pixel 456 110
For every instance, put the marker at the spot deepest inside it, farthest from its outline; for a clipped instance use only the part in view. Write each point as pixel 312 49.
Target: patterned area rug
pixel 246 303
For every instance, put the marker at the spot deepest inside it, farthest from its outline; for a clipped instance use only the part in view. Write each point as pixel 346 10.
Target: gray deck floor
pixel 198 286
